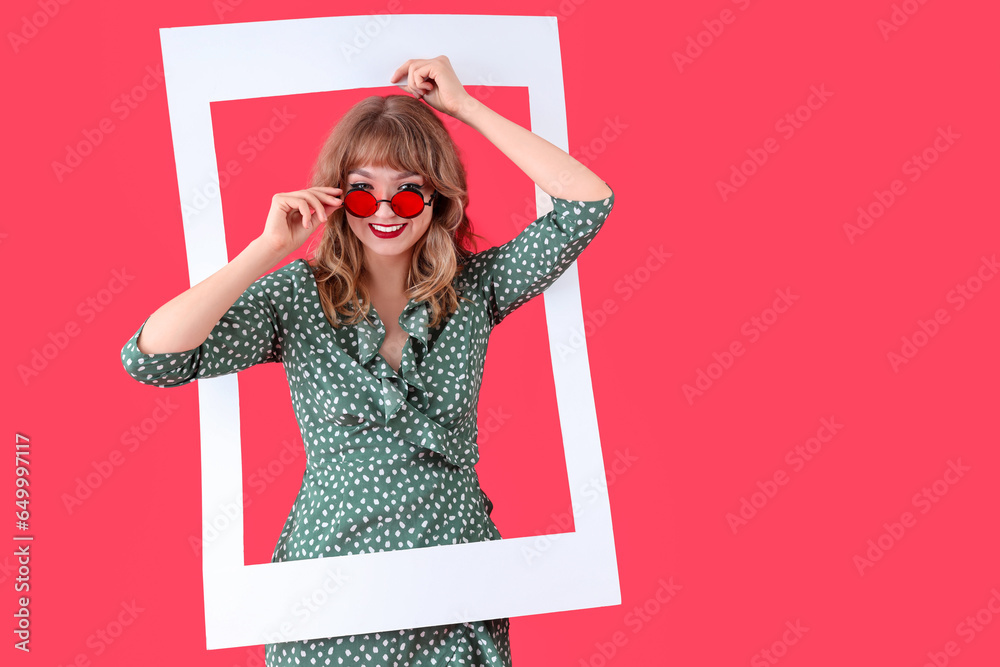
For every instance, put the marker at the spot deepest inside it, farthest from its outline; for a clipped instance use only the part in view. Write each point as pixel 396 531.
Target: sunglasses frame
pixel 379 201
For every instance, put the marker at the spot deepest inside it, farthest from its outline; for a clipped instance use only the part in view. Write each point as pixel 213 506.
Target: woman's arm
pixel 248 332
pixel 556 172
pixel 184 322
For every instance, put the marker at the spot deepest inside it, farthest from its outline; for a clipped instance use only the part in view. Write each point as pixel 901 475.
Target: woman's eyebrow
pixel 367 174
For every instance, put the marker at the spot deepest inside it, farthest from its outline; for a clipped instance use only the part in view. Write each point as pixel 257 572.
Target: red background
pixel 676 130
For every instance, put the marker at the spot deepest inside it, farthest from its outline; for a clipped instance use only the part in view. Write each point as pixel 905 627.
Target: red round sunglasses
pixel 405 203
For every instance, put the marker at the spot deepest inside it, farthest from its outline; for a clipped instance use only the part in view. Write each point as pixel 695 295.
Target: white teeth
pixel 387 229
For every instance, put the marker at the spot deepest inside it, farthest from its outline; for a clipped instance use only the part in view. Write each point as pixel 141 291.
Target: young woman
pixel 383 337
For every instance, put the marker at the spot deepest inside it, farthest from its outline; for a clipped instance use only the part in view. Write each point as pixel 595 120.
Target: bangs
pixel 385 143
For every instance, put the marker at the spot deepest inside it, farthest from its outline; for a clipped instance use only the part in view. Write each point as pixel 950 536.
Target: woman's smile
pixel 387 231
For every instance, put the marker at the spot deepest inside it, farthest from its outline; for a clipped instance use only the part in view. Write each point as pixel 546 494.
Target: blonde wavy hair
pixel 402 133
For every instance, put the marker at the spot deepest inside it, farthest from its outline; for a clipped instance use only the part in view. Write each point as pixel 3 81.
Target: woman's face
pixel 385 233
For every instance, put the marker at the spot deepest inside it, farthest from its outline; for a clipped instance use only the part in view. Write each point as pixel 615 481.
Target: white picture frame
pixel 333 596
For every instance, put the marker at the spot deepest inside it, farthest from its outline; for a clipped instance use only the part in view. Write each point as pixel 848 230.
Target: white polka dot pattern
pixel 390 456
pixel 527 265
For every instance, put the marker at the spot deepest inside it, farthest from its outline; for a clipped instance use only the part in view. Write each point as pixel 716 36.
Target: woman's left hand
pixel 435 82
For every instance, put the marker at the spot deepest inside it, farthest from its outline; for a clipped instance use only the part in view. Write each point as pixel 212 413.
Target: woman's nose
pixel 384 210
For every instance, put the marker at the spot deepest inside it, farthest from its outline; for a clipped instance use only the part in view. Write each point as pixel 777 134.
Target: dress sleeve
pixel 527 265
pixel 249 333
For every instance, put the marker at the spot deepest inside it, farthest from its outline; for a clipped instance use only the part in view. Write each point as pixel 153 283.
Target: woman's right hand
pixel 294 216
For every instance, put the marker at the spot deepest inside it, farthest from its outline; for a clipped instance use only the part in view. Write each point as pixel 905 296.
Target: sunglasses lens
pixel 360 203
pixel 408 204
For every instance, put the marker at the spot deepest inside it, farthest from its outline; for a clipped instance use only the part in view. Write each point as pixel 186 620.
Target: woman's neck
pixel 387 276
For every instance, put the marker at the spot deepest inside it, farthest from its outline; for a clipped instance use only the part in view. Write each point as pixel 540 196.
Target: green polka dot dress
pixel 390 456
